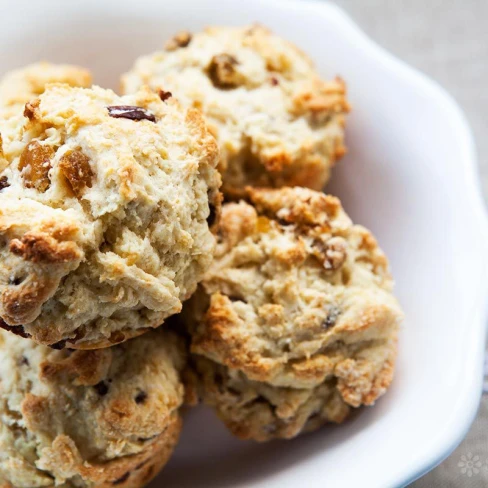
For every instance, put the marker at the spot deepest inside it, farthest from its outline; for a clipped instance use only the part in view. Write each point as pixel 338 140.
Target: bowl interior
pixel 404 178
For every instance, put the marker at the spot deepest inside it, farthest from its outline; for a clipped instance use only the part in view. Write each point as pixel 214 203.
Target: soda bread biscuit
pixel 297 302
pixel 106 209
pixel 277 122
pixel 104 418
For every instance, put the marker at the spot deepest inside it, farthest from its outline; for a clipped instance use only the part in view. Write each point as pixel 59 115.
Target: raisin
pixel 182 39
pixel 35 163
pixel 222 72
pixel 101 388
pixel 141 397
pixel 76 168
pixel 332 317
pixel 130 112
pixel 164 95
pixel 4 183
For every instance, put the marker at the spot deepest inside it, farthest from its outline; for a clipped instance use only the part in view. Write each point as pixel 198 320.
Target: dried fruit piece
pixel 4 183
pixel 75 165
pixel 164 95
pixel 141 397
pixel 101 388
pixel 131 112
pixel 263 224
pixel 182 39
pixel 31 108
pixel 35 164
pixel 332 317
pixel 222 71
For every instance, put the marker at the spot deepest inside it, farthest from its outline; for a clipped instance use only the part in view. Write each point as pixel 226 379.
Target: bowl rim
pixel 470 396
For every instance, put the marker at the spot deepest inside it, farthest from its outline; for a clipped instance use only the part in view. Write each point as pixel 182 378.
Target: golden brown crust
pixel 322 99
pixel 21 304
pixel 142 469
pixel 295 205
pixel 43 248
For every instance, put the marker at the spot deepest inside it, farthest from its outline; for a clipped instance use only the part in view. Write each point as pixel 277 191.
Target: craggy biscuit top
pixel 19 86
pixel 298 295
pixel 276 121
pixel 88 418
pixel 106 205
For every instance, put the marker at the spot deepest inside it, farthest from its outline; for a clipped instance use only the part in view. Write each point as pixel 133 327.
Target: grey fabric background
pixel 448 40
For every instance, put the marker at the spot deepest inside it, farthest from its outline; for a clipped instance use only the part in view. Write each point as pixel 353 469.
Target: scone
pixel 19 86
pixel 295 321
pixel 99 418
pixel 277 122
pixel 106 210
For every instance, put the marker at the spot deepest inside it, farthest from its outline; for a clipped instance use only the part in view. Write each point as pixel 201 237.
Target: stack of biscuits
pixel 194 196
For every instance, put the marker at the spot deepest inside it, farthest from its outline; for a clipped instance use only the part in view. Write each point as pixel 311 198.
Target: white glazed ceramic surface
pixel 410 176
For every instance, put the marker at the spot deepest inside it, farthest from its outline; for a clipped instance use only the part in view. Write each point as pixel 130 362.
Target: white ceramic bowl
pixel 410 176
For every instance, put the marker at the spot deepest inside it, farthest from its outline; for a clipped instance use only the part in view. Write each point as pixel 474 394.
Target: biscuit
pixel 106 210
pixel 298 298
pixel 277 122
pixel 19 86
pixel 100 418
